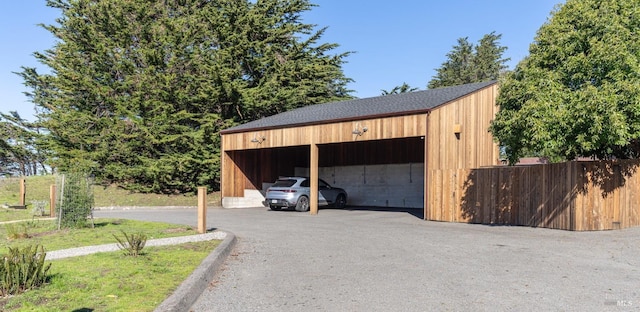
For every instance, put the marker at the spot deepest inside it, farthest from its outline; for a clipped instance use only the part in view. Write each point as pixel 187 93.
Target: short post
pixel 52 200
pixel 202 210
pixel 23 192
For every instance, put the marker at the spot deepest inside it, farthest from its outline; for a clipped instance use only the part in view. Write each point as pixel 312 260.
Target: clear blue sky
pixel 394 41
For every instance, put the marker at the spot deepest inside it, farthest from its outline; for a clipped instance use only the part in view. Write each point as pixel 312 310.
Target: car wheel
pixel 276 208
pixel 303 204
pixel 341 201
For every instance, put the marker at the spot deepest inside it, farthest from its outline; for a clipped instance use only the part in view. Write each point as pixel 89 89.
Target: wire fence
pixel 75 199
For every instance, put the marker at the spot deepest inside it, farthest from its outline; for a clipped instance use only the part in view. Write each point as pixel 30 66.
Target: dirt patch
pixel 175 230
pixel 47 233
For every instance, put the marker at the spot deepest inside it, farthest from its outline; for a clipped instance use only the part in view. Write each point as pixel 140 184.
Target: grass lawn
pixel 105 281
pixel 8 214
pixel 112 281
pixel 45 233
pixel 37 188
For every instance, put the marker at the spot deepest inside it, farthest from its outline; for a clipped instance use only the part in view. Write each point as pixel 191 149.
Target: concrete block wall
pixel 396 185
pixel 252 198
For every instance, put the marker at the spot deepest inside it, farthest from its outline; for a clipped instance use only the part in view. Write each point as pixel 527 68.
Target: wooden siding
pixel 249 169
pixel 396 151
pixel 578 196
pixel 421 137
pixel 377 129
pixel 473 147
pixel 458 138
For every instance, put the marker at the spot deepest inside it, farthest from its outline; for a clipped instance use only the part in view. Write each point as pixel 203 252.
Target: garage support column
pixel 427 167
pixel 313 176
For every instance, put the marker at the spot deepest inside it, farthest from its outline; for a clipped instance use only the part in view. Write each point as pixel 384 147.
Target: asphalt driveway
pixel 364 260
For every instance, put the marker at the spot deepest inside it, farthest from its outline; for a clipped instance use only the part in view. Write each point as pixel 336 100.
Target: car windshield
pixel 284 183
pixel 322 184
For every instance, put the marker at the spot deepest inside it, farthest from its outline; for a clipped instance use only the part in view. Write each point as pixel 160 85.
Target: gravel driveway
pixel 360 260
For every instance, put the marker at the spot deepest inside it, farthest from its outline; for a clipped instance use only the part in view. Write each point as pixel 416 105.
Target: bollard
pixel 202 210
pixel 23 192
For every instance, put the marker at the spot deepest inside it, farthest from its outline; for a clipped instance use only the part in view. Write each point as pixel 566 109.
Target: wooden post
pixel 23 192
pixel 313 175
pixel 426 209
pixel 52 200
pixel 202 210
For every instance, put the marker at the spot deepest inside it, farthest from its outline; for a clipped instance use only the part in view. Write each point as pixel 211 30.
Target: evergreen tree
pixel 399 89
pixel 576 94
pixel 468 63
pixel 139 89
pixel 20 153
pixel 488 63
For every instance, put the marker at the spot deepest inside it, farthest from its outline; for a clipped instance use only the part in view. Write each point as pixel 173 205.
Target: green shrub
pixel 132 244
pixel 23 269
pixel 16 230
pixel 77 200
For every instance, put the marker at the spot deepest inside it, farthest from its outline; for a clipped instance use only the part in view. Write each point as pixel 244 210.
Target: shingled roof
pixel 386 105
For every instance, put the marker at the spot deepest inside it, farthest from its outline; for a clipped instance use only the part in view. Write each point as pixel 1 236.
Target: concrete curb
pixel 188 292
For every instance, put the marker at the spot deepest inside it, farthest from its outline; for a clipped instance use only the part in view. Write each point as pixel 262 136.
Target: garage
pixel 381 150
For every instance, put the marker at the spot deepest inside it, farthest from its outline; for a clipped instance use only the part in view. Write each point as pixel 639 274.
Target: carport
pixel 382 150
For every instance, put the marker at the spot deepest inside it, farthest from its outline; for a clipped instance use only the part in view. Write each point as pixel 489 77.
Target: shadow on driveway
pixel 416 212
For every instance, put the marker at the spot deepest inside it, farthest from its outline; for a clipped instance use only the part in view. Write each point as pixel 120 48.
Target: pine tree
pixel 20 153
pixel 139 89
pixel 468 63
pixel 488 63
pixel 399 89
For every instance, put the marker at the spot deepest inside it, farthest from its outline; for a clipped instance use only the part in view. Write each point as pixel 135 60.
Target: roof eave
pixel 324 122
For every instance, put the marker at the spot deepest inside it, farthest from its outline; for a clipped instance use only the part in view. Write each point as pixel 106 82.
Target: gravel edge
pixel 190 290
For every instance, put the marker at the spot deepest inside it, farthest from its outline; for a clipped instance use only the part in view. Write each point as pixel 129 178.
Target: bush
pixel 23 269
pixel 16 230
pixel 132 244
pixel 77 200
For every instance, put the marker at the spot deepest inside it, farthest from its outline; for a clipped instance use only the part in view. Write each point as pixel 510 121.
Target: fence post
pixel 202 210
pixel 52 200
pixel 23 192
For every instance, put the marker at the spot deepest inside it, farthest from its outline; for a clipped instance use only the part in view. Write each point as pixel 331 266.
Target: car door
pixel 322 188
pixel 327 193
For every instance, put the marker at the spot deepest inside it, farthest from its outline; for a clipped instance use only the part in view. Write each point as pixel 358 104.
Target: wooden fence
pixel 578 196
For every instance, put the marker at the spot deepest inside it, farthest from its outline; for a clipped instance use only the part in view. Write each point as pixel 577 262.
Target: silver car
pixel 294 192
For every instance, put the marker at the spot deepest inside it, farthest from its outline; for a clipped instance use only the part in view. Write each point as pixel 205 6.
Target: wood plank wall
pixel 394 151
pixel 448 151
pixel 473 147
pixel 609 195
pixel 250 168
pixel 578 196
pixel 377 129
